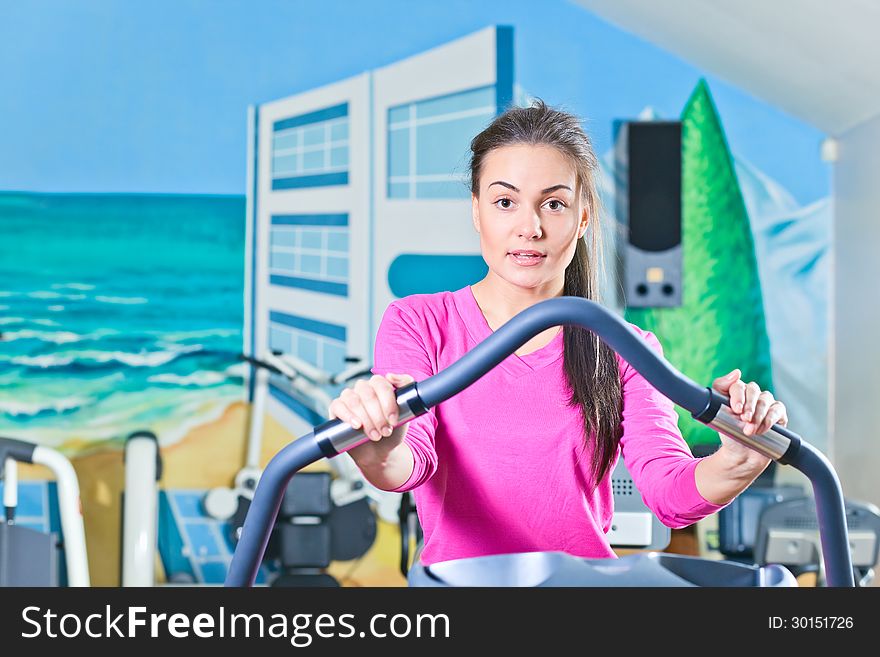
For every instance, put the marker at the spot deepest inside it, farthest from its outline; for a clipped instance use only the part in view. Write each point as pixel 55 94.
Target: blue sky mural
pixel 127 97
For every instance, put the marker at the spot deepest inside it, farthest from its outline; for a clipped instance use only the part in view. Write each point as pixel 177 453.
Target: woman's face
pixel 528 215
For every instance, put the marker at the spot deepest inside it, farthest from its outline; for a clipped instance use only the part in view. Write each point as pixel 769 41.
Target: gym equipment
pixel 29 557
pixel 349 484
pixel 738 521
pixel 787 534
pixel 312 531
pixel 705 404
pixel 140 515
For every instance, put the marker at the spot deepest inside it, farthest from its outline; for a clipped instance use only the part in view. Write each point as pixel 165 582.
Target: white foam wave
pixel 44 294
pixel 202 333
pixel 29 409
pixel 239 369
pixel 12 320
pixel 55 309
pixel 58 337
pixel 140 359
pixel 200 378
pixel 121 300
pixel 73 286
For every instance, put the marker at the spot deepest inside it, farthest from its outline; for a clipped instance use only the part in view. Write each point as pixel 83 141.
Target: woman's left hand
pixel 756 408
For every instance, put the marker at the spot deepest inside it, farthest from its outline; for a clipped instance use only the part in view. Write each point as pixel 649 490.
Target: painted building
pixel 347 185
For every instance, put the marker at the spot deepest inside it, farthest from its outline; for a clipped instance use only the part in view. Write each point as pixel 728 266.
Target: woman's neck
pixel 500 301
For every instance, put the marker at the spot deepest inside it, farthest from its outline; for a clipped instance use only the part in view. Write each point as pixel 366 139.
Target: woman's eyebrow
pixel 543 191
pixel 503 184
pixel 554 188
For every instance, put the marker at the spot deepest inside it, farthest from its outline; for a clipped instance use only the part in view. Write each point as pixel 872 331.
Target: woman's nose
pixel 530 226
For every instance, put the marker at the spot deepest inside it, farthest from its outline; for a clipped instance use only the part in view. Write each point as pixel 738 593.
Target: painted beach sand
pixel 208 456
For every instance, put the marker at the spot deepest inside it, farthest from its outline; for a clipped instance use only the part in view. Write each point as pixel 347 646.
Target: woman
pixel 521 460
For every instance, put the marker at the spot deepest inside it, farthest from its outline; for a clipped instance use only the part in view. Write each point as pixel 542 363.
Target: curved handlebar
pixel 706 405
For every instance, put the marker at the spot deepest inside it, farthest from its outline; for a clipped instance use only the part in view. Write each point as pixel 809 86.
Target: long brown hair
pixel 590 365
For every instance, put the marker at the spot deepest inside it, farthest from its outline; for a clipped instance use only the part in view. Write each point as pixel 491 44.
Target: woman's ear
pixel 585 221
pixel 475 212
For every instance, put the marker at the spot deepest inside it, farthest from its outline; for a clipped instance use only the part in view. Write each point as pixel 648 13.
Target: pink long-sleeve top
pixel 501 467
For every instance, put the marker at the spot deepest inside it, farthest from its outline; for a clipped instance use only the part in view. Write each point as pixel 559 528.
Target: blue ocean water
pixel 118 313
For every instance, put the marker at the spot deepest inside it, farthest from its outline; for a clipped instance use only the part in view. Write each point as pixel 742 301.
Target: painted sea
pixel 118 313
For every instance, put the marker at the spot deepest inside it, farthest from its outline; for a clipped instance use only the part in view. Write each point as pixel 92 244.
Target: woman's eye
pixel 555 205
pixel 504 203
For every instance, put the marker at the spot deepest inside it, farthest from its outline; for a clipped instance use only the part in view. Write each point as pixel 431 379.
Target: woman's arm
pixel 387 464
pixel 722 476
pixel 729 471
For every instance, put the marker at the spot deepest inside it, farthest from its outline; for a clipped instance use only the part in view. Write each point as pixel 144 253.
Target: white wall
pixel 855 359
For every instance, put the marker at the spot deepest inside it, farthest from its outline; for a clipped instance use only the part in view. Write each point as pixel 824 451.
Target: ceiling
pixel 816 60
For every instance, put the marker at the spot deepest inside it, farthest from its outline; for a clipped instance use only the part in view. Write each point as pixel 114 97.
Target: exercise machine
pixel 29 557
pixel 140 514
pixel 704 403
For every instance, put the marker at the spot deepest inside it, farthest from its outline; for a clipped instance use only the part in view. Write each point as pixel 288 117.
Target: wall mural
pixel 127 311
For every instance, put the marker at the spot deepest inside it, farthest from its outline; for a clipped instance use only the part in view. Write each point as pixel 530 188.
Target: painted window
pixel 311 150
pixel 310 252
pixel 318 343
pixel 429 143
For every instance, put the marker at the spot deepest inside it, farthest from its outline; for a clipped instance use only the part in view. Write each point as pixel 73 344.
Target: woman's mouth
pixel 527 258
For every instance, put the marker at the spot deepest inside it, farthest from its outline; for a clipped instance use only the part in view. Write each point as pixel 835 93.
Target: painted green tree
pixel 720 324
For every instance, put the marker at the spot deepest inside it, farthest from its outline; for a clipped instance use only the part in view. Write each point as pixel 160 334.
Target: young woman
pixel 521 460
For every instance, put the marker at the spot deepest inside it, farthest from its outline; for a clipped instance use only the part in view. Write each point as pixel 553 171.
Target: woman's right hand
pixel 371 405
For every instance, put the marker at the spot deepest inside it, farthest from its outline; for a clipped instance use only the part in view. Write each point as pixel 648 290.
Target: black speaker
pixel 647 162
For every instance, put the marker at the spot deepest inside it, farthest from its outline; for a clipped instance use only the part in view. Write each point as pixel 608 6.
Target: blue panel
pixel 326 287
pixel 214 572
pixel 310 220
pixel 311 239
pixel 504 67
pixel 296 406
pixel 286 140
pixel 307 349
pixel 337 240
pixel 339 156
pixel 283 165
pixel 30 499
pixel 427 274
pixel 319 180
pixel 333 331
pixel 448 189
pixel 189 505
pixel 398 152
pixel 334 357
pixel 444 147
pixel 310 264
pixel 313 135
pixel 398 190
pixel 466 100
pixel 284 237
pixel 339 131
pixel 312 117
pixel 201 540
pixel 279 340
pixel 171 543
pixel 337 267
pixel 282 261
pixel 397 114
pixel 313 160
